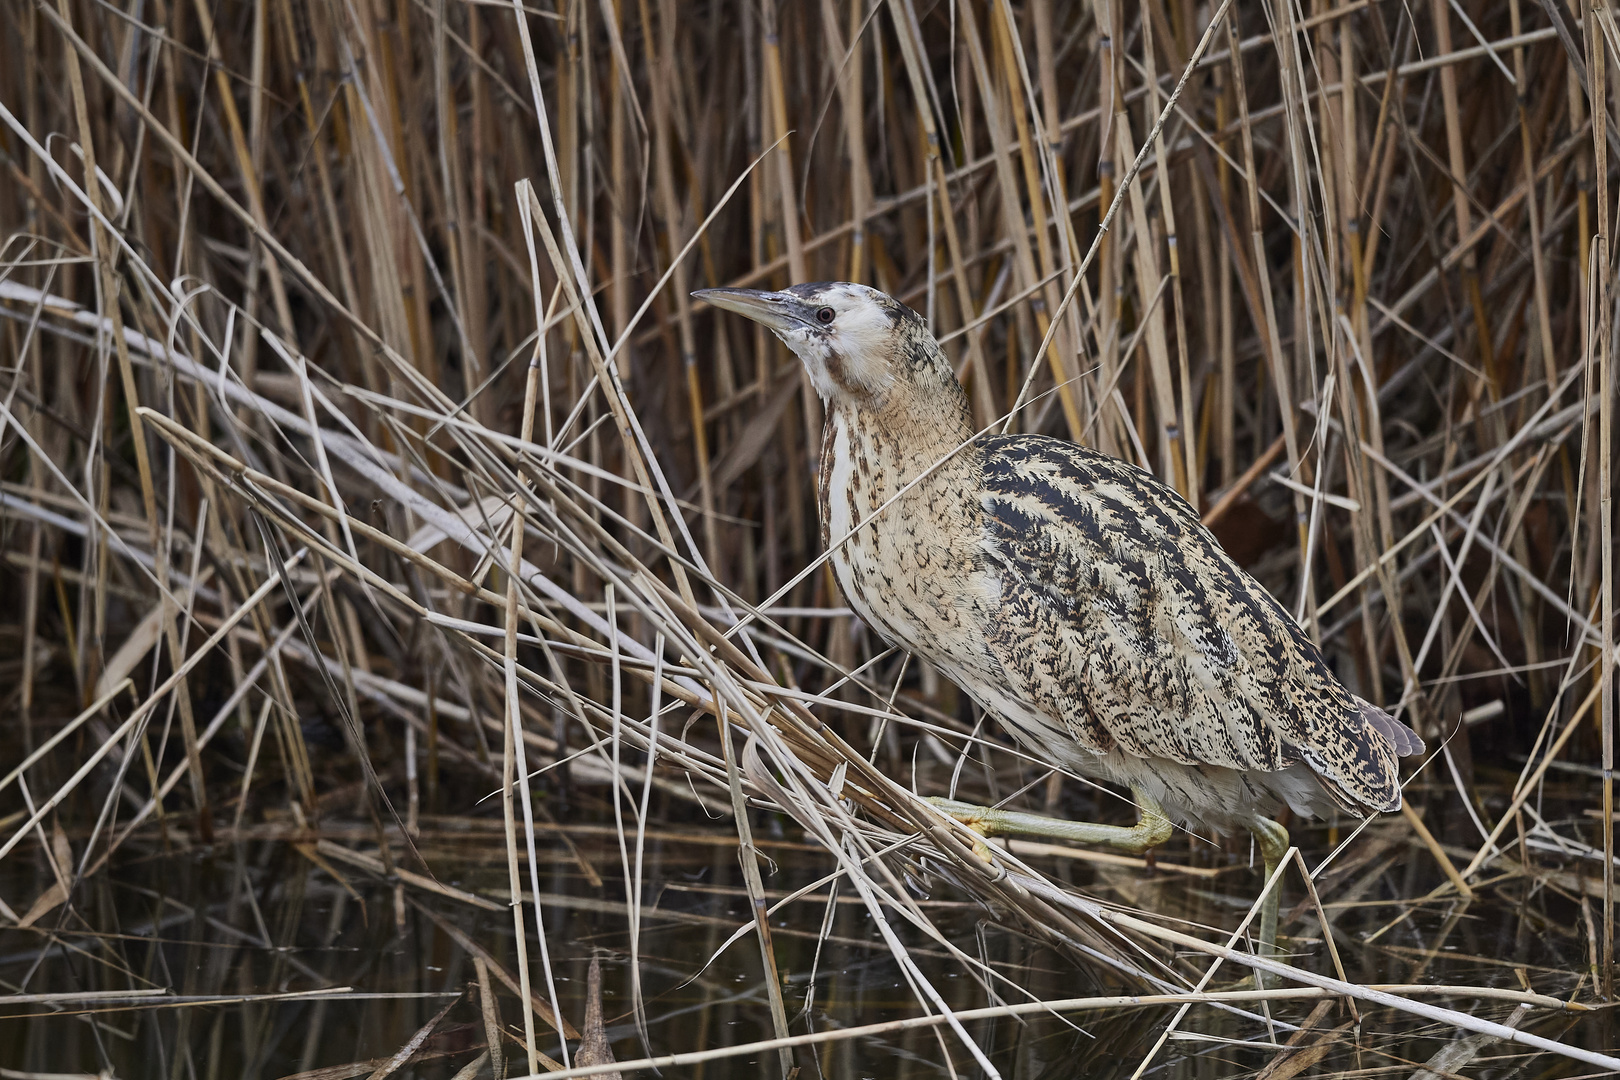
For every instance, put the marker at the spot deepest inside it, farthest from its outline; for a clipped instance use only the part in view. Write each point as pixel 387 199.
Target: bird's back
pixel 1123 622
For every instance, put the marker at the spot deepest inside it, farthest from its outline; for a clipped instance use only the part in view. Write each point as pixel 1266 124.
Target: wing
pixel 1122 617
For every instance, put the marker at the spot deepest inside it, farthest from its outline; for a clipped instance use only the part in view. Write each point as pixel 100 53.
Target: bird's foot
pixel 1151 829
pixel 974 818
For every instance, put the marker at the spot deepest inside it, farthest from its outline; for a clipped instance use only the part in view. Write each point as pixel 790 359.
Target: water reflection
pixel 267 923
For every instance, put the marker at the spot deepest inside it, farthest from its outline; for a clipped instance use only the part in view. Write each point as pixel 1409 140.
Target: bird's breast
pixel 902 527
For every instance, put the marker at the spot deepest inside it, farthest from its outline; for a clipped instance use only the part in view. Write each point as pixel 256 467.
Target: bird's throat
pixel 886 463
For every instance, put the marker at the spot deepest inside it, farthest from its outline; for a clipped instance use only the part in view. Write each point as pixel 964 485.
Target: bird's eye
pixel 825 316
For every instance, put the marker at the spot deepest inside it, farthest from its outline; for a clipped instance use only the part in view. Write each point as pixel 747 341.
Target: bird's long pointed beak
pixel 778 311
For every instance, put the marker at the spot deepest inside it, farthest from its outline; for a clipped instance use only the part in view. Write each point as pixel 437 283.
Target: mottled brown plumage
pixel 1074 596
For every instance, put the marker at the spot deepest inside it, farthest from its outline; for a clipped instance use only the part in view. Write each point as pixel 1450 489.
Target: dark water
pixel 258 916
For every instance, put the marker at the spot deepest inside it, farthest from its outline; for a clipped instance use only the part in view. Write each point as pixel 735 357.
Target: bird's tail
pixel 1402 738
pixel 1366 777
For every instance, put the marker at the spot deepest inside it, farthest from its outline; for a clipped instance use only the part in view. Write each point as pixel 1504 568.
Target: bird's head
pixel 860 346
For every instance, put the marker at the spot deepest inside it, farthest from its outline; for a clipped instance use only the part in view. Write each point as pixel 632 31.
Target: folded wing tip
pixel 1404 740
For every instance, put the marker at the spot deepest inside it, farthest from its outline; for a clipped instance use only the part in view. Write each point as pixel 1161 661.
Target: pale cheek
pixel 870 370
pixel 869 351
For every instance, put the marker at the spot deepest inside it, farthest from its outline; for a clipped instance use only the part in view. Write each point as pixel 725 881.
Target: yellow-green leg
pixel 1152 828
pixel 1272 839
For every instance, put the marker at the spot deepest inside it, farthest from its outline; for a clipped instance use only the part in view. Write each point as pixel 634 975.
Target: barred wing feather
pixel 1123 620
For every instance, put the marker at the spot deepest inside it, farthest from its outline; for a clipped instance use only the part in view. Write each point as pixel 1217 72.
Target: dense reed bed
pixel 363 452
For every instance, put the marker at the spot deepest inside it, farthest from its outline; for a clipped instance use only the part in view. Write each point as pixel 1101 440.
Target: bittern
pixel 1072 595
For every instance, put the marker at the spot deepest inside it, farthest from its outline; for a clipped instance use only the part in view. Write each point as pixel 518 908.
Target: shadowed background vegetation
pixel 272 651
